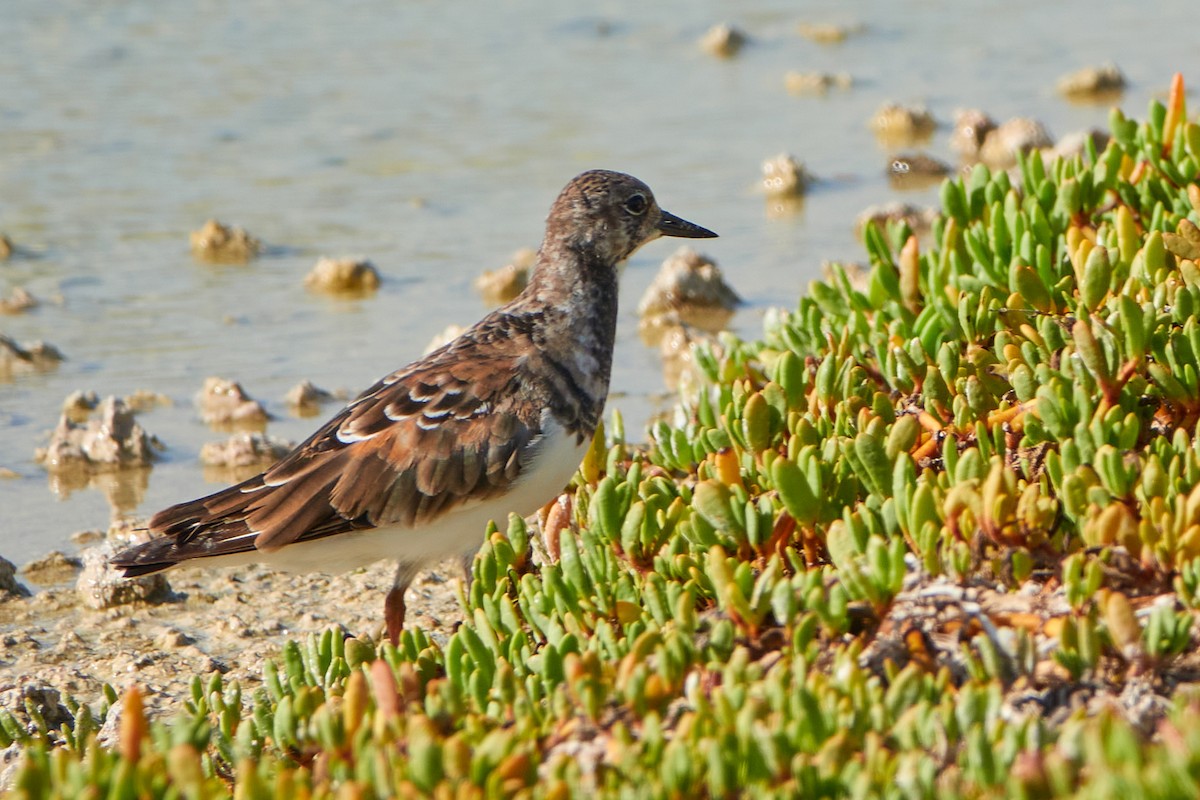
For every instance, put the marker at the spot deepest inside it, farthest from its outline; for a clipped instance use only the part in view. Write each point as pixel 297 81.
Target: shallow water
pixel 432 142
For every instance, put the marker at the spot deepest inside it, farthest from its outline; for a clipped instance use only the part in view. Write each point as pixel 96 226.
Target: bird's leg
pixel 393 606
pixel 393 614
pixel 466 561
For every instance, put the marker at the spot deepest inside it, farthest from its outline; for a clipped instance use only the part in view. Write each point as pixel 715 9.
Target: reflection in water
pixel 123 488
pixel 783 207
pixel 16 359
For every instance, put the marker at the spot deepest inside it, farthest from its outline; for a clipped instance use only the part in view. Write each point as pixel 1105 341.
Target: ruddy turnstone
pixel 494 422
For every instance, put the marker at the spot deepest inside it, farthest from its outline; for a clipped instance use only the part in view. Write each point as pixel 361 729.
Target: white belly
pixel 454 533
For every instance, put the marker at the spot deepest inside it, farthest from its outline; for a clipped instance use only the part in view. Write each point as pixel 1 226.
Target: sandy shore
pixel 226 620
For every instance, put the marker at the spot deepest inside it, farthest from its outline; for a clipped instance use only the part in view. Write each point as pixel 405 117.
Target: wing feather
pixel 456 427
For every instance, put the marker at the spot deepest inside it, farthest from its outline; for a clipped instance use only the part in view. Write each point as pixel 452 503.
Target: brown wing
pixel 449 429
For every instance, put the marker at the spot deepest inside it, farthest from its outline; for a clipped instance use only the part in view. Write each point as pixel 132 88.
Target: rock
pixel 46 699
pixel 689 289
pixel 857 275
pixel 971 127
pixel 225 403
pixel 723 41
pixel 109 735
pixel 87 537
pixel 305 398
pixel 17 302
pixel 9 585
pixel 447 335
pixel 10 765
pixel 805 83
pixel 7 474
pixel 111 440
pixel 79 405
pixel 245 450
pixel 678 359
pixel 101 585
pixel 919 219
pixel 498 286
pixel 33 357
pixel 916 171
pixel 784 176
pixel 1019 134
pixel 356 276
pixel 1101 83
pixel 1075 144
pixel 146 400
pixel 222 244
pixel 6 247
pixel 897 124
pixel 827 33
pixel 54 567
pixel 688 279
pixel 171 639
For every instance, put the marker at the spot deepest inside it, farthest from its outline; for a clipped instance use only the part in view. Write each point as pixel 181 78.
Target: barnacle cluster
pixel 935 536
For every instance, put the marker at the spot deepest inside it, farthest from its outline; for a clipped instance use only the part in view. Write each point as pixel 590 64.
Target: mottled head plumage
pixel 609 215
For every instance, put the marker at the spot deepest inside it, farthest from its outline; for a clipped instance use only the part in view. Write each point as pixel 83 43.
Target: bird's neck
pixel 576 295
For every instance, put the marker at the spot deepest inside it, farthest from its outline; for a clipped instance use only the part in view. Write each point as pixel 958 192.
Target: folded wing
pixel 452 429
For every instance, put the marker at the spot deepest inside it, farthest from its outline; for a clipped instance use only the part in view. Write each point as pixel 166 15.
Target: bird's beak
pixel 671 225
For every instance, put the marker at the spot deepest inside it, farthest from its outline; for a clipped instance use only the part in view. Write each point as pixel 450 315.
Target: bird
pixel 495 421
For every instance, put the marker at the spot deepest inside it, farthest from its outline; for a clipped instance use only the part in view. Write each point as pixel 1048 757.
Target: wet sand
pixel 225 620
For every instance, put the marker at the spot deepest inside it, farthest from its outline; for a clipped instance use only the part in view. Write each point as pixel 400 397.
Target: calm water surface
pixel 431 138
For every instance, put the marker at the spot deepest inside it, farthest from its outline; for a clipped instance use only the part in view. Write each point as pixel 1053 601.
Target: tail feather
pixel 234 520
pixel 211 526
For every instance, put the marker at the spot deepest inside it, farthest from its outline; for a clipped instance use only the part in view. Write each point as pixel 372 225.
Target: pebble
pixel 498 286
pixel 1092 84
pixel 919 219
pixel 224 244
pixel 101 586
pixel 245 449
pixel 807 83
pixel 348 276
pixel 916 171
pixel 225 403
pixel 87 537
pixel 723 40
pixel 79 405
pixel 445 337
pixel 1019 134
pixel 687 284
pixel 112 439
pixel 897 124
pixel 54 567
pixel 46 699
pixel 826 32
pixel 171 639
pixel 30 357
pixel 18 301
pixel 784 176
pixel 678 359
pixel 305 398
pixel 1075 144
pixel 146 400
pixel 9 585
pixel 971 127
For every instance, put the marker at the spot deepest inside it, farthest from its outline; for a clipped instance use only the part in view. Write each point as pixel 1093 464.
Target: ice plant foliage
pixel 936 535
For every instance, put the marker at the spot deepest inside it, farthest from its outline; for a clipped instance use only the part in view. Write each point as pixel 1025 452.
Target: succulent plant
pixel 881 552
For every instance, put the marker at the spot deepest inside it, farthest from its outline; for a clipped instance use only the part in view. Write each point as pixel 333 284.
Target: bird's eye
pixel 636 204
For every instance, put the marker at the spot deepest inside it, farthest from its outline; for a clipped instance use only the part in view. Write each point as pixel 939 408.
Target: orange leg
pixel 393 607
pixel 393 614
